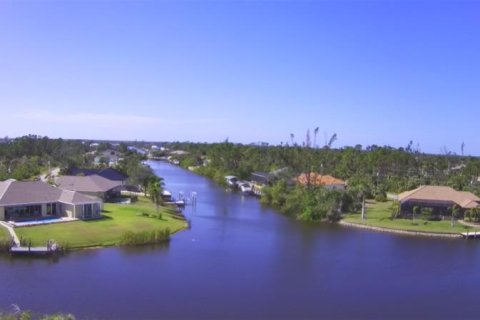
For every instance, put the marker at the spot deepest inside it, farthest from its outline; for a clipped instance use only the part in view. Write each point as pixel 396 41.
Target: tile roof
pixel 14 192
pixel 93 183
pixel 319 180
pixel 108 173
pixel 76 197
pixel 464 199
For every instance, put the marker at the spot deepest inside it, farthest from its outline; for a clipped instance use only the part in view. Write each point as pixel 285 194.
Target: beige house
pixel 25 200
pixel 439 198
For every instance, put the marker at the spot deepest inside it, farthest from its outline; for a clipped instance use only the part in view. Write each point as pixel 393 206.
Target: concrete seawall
pixel 402 232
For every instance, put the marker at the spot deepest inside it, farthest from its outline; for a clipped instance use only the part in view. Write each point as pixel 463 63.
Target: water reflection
pixel 140 250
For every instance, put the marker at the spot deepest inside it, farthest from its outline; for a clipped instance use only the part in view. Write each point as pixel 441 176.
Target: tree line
pixel 370 172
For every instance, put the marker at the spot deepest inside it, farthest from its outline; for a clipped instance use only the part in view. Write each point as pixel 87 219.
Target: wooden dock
pixel 471 235
pixel 38 251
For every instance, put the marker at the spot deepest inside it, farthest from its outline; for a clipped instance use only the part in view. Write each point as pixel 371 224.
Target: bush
pixel 145 237
pixel 381 197
pixel 5 245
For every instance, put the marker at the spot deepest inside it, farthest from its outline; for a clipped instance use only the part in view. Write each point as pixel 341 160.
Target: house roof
pixel 14 192
pixel 464 199
pixel 93 183
pixel 319 180
pixel 69 196
pixel 108 173
pixel 265 175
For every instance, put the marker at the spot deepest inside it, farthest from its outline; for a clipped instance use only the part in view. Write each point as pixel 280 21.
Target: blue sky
pixel 374 72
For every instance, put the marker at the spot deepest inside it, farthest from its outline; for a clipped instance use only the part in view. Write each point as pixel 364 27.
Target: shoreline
pixel 401 232
pixel 344 223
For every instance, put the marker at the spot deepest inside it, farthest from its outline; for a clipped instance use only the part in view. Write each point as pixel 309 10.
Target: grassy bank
pixel 120 220
pixel 378 214
pixel 4 235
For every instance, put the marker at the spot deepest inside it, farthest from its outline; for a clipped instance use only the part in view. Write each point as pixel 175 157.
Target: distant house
pixel 93 185
pixel 317 179
pixel 439 198
pixel 260 178
pixel 108 173
pixel 137 150
pixel 26 200
pixel 178 153
pixel 109 157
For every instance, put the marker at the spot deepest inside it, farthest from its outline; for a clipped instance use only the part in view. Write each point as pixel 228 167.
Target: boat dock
pixel 471 235
pixel 32 250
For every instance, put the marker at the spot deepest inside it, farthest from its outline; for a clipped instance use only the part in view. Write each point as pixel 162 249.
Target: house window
pixel 23 212
pixel 87 211
pixel 51 209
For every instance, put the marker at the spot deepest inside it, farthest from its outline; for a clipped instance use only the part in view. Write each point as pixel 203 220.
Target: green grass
pixel 118 219
pixel 4 234
pixel 378 214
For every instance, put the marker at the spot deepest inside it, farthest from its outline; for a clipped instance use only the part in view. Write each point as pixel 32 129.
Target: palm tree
pixel 155 189
pixel 416 210
pixel 395 209
pixel 468 215
pixel 363 206
pixel 455 210
pixel 333 138
pixel 474 214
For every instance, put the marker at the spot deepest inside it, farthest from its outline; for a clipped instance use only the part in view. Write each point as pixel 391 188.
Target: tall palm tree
pixel 315 132
pixel 455 210
pixel 155 189
pixel 395 209
pixel 416 210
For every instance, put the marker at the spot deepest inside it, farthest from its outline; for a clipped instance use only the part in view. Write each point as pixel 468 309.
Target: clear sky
pixel 374 72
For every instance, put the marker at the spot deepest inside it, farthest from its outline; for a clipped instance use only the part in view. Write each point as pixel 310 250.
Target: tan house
pixel 26 200
pixel 93 185
pixel 317 179
pixel 439 198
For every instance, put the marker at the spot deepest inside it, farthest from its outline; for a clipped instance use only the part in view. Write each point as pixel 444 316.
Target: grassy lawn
pixel 378 214
pixel 4 235
pixel 118 219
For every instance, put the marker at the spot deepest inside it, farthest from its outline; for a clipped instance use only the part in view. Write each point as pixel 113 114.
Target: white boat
pixel 166 195
pixel 231 181
pixel 245 187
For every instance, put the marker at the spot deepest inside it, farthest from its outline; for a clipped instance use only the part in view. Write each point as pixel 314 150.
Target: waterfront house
pixel 93 185
pixel 26 200
pixel 439 198
pixel 317 179
pixel 107 173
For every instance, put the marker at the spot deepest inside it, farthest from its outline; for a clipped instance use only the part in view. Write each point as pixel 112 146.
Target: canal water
pixel 242 261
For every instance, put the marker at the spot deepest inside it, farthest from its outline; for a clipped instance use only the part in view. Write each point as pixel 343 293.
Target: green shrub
pixel 5 245
pixel 145 237
pixel 381 197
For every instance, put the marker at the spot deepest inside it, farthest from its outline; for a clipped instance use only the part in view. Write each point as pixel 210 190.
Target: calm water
pixel 240 261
